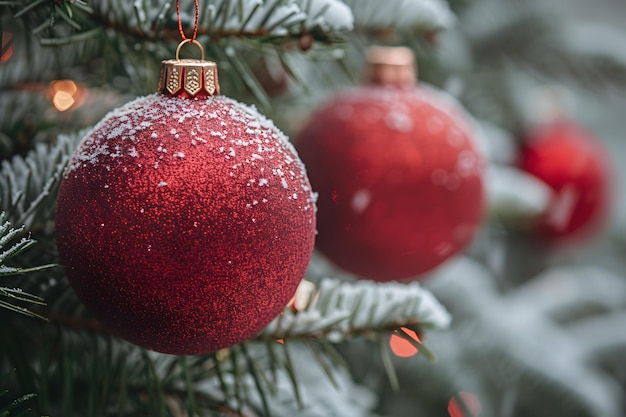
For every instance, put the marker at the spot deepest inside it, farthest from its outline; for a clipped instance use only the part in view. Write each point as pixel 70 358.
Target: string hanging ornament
pixel 185 219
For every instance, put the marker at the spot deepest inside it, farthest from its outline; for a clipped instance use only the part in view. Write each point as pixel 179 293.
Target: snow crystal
pixel 162 184
pixel 263 181
pixel 117 131
pixel 179 155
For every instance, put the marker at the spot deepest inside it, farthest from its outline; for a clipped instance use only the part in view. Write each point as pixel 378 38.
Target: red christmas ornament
pixel 185 224
pixel 398 174
pixel 575 165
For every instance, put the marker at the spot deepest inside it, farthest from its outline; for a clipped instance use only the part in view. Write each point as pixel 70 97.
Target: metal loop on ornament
pixel 184 41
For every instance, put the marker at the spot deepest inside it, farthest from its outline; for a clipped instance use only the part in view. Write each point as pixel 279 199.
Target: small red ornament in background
pixel 575 164
pixel 7 46
pixel 185 221
pixel 399 176
pixel 464 404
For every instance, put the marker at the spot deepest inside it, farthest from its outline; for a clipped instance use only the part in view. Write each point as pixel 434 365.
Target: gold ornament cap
pixel 189 78
pixel 391 66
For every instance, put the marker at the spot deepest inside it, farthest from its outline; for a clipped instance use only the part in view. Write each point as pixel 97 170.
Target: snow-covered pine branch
pixel 28 184
pixel 222 18
pixel 340 310
pixel 418 15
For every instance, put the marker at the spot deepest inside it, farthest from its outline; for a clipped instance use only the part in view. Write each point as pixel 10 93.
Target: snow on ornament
pixel 576 166
pixel 398 172
pixel 185 219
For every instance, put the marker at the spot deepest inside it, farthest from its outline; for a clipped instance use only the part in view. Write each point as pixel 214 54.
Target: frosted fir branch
pixel 28 184
pixel 590 54
pixel 156 19
pixel 339 310
pixel 514 195
pixel 9 248
pixel 316 396
pixel 497 341
pixel 327 15
pixel 419 15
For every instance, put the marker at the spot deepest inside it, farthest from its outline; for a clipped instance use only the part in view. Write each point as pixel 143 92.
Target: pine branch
pixel 28 185
pixel 259 374
pixel 341 310
pixel 535 38
pixel 17 407
pixel 9 249
pixel 497 343
pixel 514 195
pixel 404 15
pixel 155 20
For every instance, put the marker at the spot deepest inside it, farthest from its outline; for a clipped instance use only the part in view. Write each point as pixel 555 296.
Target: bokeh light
pixel 402 347
pixel 8 47
pixel 64 94
pixel 464 404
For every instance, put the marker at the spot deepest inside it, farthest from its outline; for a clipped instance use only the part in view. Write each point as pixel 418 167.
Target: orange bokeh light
pixel 63 94
pixel 8 47
pixel 402 347
pixel 470 402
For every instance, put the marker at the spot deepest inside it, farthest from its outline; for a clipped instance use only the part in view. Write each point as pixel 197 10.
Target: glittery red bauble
pixel 574 164
pixel 185 225
pixel 399 179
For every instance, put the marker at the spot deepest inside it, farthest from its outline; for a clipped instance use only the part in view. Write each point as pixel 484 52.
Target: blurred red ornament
pixel 185 224
pixel 7 47
pixel 399 177
pixel 575 164
pixel 464 404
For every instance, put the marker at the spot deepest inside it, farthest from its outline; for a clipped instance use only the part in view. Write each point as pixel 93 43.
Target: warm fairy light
pixel 470 405
pixel 305 294
pixel 281 341
pixel 402 347
pixel 8 47
pixel 64 94
pixel 62 100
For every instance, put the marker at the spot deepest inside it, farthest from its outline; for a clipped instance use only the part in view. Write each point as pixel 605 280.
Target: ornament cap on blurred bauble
pixel 185 220
pixel 391 67
pixel 397 170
